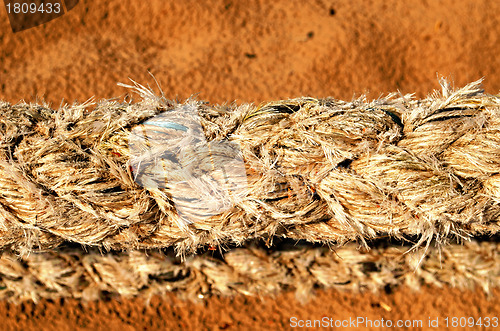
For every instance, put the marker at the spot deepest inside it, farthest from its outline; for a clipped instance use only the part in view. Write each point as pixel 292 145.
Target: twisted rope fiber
pixel 251 270
pixel 324 171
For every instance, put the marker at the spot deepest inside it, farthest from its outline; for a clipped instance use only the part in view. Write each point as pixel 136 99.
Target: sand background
pixel 250 51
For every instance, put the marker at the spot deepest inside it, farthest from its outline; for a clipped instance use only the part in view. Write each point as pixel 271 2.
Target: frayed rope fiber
pixel 323 171
pixel 251 270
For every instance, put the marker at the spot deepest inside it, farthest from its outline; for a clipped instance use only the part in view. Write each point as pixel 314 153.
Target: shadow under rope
pixel 284 245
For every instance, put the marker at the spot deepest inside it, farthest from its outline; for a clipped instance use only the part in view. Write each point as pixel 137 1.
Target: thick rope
pixel 249 271
pixel 325 171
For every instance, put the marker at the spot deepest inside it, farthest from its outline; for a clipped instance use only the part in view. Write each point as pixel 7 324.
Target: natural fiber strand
pixel 324 171
pixel 252 270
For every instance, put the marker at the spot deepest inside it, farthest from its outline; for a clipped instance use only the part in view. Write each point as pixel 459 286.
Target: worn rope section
pixel 324 171
pixel 252 270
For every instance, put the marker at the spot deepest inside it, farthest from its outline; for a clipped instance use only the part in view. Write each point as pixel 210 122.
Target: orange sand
pixel 250 51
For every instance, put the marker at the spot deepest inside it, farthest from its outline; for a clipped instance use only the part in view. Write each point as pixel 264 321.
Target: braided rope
pixel 252 270
pixel 325 171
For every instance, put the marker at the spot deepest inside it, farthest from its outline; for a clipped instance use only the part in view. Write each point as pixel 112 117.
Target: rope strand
pixel 325 171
